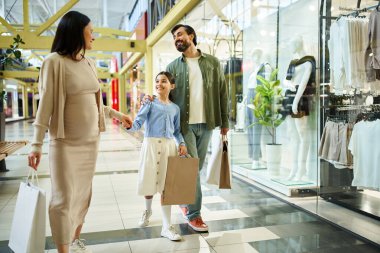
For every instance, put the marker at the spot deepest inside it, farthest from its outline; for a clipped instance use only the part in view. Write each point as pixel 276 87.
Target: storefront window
pixel 282 36
pixel 350 106
pixel 322 95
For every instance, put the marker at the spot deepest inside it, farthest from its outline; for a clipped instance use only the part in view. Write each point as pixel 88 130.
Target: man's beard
pixel 183 46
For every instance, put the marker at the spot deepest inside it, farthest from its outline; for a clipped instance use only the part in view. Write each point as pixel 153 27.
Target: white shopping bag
pixel 28 225
pixel 215 160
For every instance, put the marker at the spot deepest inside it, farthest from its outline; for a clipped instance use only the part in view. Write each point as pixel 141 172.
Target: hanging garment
pixel 372 54
pixel 365 151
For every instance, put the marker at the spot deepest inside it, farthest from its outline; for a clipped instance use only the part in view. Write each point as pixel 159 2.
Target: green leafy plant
pixel 7 57
pixel 267 104
pixel 12 52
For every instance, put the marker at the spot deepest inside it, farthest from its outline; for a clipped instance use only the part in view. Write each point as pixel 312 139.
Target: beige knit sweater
pixel 52 102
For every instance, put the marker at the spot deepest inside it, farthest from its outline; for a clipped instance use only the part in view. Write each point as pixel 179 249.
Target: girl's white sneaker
pixel 145 218
pixel 171 234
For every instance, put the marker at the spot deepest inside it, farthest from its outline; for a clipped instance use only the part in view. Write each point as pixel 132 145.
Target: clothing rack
pixel 337 118
pixel 356 13
pixel 352 107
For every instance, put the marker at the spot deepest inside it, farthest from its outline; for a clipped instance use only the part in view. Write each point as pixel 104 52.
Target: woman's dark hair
pixel 69 39
pixel 171 80
pixel 189 30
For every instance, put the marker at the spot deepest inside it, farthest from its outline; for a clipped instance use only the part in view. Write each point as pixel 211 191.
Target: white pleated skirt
pixel 153 164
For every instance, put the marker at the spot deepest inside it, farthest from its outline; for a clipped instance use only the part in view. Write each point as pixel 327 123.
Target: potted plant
pixel 266 107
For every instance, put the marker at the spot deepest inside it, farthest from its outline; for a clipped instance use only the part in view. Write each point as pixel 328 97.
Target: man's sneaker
pixel 184 211
pixel 171 234
pixel 78 246
pixel 145 218
pixel 198 225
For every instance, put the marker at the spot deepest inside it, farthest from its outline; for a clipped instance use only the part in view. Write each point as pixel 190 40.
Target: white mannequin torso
pixel 300 78
pixel 252 81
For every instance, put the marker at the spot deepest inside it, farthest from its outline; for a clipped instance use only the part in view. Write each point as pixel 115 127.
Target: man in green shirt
pixel 202 95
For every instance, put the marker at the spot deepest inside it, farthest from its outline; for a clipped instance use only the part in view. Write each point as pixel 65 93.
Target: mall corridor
pixel 242 220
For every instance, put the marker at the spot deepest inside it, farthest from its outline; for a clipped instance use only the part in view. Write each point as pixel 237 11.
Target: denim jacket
pixel 215 90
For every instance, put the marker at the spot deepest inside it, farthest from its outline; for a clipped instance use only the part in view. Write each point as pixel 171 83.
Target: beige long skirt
pixel 72 165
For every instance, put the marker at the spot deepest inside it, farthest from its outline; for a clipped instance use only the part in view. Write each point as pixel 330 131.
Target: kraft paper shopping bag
pixel 225 173
pixel 181 181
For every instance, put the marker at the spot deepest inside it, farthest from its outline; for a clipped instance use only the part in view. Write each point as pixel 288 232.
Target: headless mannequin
pixel 240 114
pixel 298 127
pixel 254 132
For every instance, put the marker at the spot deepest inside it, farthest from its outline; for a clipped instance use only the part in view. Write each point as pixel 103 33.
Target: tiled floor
pixel 244 219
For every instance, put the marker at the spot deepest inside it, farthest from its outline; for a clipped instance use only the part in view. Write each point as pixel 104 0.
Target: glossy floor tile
pixel 242 220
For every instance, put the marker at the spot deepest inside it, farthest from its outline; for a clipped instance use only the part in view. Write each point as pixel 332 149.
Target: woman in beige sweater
pixel 71 109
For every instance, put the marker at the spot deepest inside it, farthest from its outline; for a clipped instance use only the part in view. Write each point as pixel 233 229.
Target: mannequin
pixel 240 114
pixel 254 132
pixel 300 82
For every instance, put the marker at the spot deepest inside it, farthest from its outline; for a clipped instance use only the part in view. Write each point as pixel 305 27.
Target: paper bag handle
pixel 185 156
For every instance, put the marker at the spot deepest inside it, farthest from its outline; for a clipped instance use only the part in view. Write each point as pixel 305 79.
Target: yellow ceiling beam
pixel 131 62
pixel 25 12
pixel 104 31
pixel 106 75
pixel 179 10
pixel 31 41
pixel 119 45
pixel 99 56
pixel 19 74
pixel 101 44
pixel 56 16
pixel 7 25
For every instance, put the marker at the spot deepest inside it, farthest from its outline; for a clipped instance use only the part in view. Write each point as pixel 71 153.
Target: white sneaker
pixel 171 234
pixel 145 218
pixel 78 246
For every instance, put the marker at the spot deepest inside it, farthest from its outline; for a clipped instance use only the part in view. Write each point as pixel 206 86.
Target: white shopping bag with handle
pixel 215 160
pixel 28 224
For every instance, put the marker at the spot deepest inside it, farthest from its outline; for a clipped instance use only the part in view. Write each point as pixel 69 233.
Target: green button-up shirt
pixel 214 89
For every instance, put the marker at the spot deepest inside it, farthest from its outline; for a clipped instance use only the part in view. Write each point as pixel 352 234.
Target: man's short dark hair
pixel 189 30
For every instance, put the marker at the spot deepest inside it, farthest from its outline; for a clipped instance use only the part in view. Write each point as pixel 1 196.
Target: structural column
pixel 25 105
pixel 149 70
pixel 122 94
